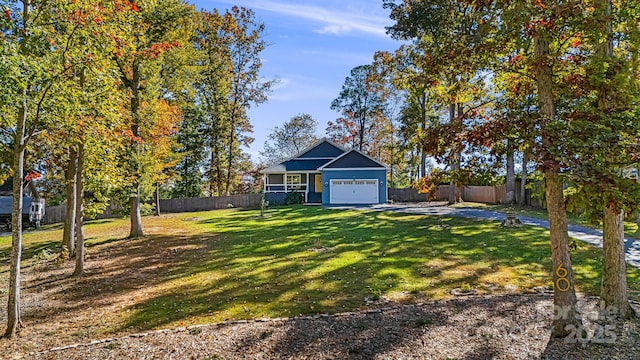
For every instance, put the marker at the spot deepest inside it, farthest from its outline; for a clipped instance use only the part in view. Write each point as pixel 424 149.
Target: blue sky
pixel 314 45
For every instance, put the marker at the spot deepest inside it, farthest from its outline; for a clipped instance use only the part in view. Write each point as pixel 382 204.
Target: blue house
pixel 329 174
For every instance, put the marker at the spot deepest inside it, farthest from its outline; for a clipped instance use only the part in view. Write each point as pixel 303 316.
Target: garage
pixel 353 191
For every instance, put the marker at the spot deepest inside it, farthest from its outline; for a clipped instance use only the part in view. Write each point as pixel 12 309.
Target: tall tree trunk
pixel 453 161
pixel 523 181
pixel 14 322
pixel 136 219
pixel 361 134
pixel 157 199
pixel 68 233
pixel 232 132
pixel 212 170
pixel 614 267
pixel 564 295
pixel 459 153
pixel 510 197
pixel 79 270
pixel 134 198
pixel 423 127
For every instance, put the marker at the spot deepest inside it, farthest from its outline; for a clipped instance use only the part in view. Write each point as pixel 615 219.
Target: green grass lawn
pixel 210 266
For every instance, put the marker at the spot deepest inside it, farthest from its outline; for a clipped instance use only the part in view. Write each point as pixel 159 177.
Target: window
pixel 294 179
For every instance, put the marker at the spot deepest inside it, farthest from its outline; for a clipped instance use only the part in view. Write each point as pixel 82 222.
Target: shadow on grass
pixel 302 260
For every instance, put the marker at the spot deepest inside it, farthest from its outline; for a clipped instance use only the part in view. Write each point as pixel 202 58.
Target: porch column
pixel 264 183
pixel 285 182
pixel 306 191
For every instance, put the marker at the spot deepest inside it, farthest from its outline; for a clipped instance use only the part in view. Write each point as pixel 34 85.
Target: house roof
pixel 324 154
pixel 309 159
pixel 353 159
pixel 323 148
pixel 297 165
pixel 6 204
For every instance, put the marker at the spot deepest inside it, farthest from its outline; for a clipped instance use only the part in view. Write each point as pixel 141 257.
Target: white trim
pixel 367 168
pixel 322 168
pixel 315 158
pixel 294 172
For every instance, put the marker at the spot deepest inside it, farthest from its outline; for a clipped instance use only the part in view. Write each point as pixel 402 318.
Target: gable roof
pixel 325 154
pixel 309 159
pixel 353 159
pixel 322 148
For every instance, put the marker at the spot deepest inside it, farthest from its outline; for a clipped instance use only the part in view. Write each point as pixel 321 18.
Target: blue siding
pixel 304 165
pixel 314 197
pixel 275 198
pixel 381 175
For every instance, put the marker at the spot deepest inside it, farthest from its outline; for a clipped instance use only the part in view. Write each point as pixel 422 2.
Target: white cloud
pixel 298 88
pixel 333 21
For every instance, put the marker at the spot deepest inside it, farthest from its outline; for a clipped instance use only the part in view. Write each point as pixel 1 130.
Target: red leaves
pixel 540 4
pixel 7 14
pixel 156 49
pixel 516 58
pixel 534 26
pixel 575 43
pixel 120 5
pixel 32 175
pixel 128 133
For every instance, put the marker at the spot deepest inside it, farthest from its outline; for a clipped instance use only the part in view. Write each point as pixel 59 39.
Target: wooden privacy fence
pixel 56 214
pixel 209 203
pixel 480 194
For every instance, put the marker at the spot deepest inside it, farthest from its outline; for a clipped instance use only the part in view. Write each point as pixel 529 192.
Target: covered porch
pixel 280 184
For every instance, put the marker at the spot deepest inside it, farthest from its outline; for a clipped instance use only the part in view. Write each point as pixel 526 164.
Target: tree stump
pixel 511 221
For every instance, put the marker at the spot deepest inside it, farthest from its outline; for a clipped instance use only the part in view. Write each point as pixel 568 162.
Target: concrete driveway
pixel 588 235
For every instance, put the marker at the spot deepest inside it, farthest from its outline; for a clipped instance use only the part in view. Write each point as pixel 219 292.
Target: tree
pixel 229 83
pixel 360 101
pixel 32 69
pixel 605 112
pixel 470 39
pixel 410 73
pixel 246 86
pixel 193 155
pixel 288 140
pixel 449 51
pixel 148 31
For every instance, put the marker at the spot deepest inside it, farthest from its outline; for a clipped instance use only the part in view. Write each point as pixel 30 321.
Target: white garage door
pixel 347 191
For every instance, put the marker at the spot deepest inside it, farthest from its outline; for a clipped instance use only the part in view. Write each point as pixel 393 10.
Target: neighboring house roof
pixel 6 205
pixel 324 154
